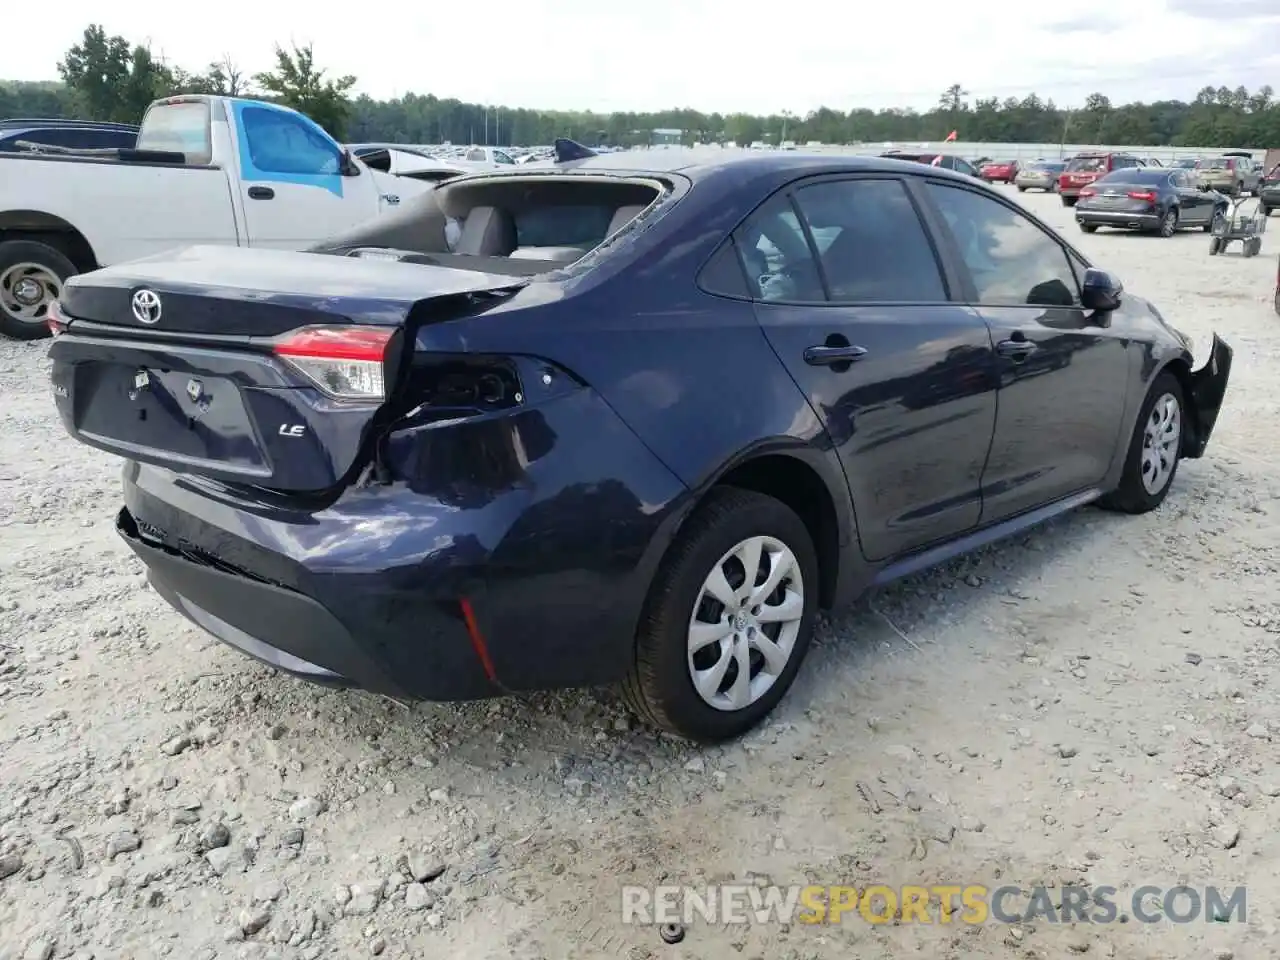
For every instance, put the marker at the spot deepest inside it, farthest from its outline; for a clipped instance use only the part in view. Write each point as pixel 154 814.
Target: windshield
pixel 1087 164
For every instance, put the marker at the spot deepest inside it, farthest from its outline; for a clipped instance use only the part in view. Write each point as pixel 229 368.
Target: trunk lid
pixel 211 375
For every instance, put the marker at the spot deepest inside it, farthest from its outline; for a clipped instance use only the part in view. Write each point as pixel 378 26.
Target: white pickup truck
pixel 204 170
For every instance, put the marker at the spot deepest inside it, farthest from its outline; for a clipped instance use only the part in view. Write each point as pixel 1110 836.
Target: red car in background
pixel 1084 168
pixel 999 171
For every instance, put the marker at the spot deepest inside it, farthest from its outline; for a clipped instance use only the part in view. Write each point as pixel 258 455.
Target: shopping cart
pixel 1247 227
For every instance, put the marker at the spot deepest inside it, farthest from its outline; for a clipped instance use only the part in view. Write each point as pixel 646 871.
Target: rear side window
pixel 723 274
pixel 776 257
pixel 178 128
pixel 871 244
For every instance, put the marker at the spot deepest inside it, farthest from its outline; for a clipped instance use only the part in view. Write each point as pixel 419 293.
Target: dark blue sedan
pixel 632 426
pixel 1160 200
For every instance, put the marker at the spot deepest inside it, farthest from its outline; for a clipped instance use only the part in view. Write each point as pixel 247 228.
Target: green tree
pixel 296 82
pixel 110 79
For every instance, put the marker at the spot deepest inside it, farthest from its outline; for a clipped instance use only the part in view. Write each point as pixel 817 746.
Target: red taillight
pixel 56 319
pixel 344 362
pixel 1146 195
pixel 1088 192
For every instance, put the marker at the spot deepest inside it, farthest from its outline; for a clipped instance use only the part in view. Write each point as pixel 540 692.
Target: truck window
pixel 178 128
pixel 280 142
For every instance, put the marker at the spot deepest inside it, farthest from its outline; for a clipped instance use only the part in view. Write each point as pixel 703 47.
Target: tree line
pixel 109 78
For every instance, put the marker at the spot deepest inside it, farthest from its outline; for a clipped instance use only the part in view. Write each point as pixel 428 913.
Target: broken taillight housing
pixel 346 363
pixel 56 319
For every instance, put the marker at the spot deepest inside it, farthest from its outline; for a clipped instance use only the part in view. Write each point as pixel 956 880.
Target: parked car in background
pixel 1269 191
pixel 19 135
pixel 1234 174
pixel 1157 200
pixel 465 475
pixel 1084 168
pixel 944 160
pixel 1039 175
pixel 407 162
pixel 999 171
pixel 203 169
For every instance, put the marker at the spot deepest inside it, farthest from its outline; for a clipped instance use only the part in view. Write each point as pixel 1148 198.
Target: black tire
pixel 13 255
pixel 1022 189
pixel 1089 227
pixel 1132 496
pixel 1068 201
pixel 1169 223
pixel 1266 210
pixel 659 687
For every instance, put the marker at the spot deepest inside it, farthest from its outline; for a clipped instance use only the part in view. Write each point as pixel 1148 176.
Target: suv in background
pixel 947 161
pixel 1235 173
pixel 1084 168
pixel 66 134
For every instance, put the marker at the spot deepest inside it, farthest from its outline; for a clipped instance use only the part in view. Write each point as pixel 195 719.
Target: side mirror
pixel 1100 291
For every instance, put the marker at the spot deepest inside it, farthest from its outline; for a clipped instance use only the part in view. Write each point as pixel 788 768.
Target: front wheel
pixel 1089 227
pixel 1154 450
pixel 728 618
pixel 31 278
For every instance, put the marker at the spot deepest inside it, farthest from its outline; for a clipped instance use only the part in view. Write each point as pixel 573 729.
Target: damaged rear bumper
pixel 1208 387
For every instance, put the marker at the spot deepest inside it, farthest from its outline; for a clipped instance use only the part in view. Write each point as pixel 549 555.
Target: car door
pixel 1063 370
pixel 292 187
pixel 1196 206
pixel 854 300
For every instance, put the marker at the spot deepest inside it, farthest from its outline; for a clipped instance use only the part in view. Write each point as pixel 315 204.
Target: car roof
pixel 699 165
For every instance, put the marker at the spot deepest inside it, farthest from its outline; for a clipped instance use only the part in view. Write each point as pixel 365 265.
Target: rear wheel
pixel 1089 227
pixel 1169 223
pixel 1068 201
pixel 728 618
pixel 31 278
pixel 1154 450
pixel 1266 210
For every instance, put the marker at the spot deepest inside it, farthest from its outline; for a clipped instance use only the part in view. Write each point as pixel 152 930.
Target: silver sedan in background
pixel 1039 175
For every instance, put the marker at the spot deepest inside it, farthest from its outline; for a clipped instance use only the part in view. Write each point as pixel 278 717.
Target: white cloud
pixel 706 54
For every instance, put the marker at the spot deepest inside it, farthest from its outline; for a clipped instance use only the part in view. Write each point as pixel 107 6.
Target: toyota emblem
pixel 146 306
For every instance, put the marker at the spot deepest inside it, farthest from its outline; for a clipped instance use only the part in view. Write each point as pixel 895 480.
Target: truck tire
pixel 31 279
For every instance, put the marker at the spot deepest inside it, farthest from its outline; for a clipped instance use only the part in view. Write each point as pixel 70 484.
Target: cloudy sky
pixel 709 54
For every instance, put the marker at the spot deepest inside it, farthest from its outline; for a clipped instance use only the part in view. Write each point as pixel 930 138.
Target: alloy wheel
pixel 1161 440
pixel 745 623
pixel 1169 225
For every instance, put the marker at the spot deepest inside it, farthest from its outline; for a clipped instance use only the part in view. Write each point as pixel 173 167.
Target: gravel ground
pixel 1090 703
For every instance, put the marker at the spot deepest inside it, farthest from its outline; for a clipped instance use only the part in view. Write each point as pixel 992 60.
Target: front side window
pixel 776 256
pixel 1012 260
pixel 873 248
pixel 280 142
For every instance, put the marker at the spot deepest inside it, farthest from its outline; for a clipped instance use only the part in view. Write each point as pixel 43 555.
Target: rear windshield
pixel 178 128
pixel 1218 163
pixel 1136 175
pixel 1187 164
pixel 1046 167
pixel 1086 164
